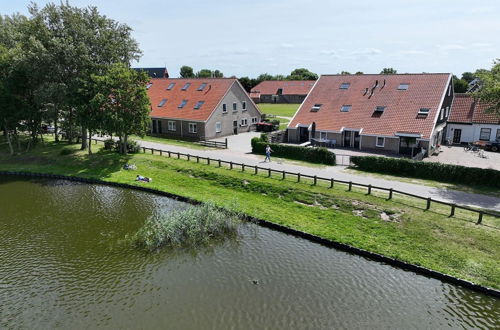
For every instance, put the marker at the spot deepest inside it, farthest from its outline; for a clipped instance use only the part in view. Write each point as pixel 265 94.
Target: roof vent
pixel 209 88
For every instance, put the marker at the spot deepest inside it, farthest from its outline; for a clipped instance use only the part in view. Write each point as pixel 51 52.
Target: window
pixel 162 103
pixel 202 87
pixel 345 108
pixel 170 86
pixel 447 114
pixel 224 107
pixel 449 90
pixel 171 126
pixel 403 86
pixel 485 134
pixel 244 105
pixel 154 126
pixel 186 86
pixel 316 107
pixel 183 103
pixel 192 127
pixel 323 135
pixel 424 111
pixel 235 106
pixel 280 91
pixel 441 114
pixel 345 85
pixel 198 105
pixel 380 142
pixel 254 120
pixel 148 86
pixel 380 108
pixel 244 122
pixel 218 127
pixel 498 135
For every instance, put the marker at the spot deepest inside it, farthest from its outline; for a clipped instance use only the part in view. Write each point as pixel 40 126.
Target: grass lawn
pixel 399 228
pixel 287 110
pixel 171 141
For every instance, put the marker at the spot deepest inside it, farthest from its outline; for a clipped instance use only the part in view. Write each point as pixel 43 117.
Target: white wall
pixel 471 133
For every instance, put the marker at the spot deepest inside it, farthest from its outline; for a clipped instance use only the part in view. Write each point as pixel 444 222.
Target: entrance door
pixel 457 135
pixel 235 126
pixel 303 134
pixel 356 140
pixel 347 139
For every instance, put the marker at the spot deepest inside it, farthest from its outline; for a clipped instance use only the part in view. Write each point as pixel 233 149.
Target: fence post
pixel 230 165
pixel 315 180
pixel 298 177
pixel 161 152
pixel 256 169
pixel 331 182
pixel 226 143
pixel 219 163
pixel 178 155
pixel 369 189
pixel 152 151
pixel 452 213
pixel 144 149
pixel 283 175
pixel 350 185
pixel 268 172
pixel 242 167
pixel 197 159
pixel 390 193
pixel 480 219
pixel 428 203
pixel 189 157
pixel 208 160
pixel 169 154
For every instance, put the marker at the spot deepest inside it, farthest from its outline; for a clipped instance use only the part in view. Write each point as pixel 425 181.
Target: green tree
pixel 218 74
pixel 302 74
pixel 468 76
pixel 186 72
pixel 248 83
pixel 204 73
pixel 490 87
pixel 459 85
pixel 122 102
pixel 359 72
pixel 345 72
pixel 388 71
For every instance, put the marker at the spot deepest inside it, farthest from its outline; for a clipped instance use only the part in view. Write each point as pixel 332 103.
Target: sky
pixel 250 37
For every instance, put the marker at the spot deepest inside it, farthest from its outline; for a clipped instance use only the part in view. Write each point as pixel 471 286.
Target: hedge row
pixel 429 170
pixel 313 155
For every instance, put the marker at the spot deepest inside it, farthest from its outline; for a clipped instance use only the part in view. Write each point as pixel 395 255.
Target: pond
pixel 65 263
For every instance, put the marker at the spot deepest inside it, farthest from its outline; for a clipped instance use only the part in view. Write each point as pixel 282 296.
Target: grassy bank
pixel 286 110
pixel 400 228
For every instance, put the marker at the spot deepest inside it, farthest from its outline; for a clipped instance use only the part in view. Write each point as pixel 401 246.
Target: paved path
pixel 238 155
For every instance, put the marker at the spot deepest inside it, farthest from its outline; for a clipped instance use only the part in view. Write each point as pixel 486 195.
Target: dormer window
pixel 403 87
pixel 183 103
pixel 162 103
pixel 380 108
pixel 316 107
pixel 423 111
pixel 170 86
pixel 345 85
pixel 186 86
pixel 345 108
pixel 198 105
pixel 202 87
pixel 280 91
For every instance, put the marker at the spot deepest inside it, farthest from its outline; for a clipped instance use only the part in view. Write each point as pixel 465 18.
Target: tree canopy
pixel 186 72
pixel 490 87
pixel 388 71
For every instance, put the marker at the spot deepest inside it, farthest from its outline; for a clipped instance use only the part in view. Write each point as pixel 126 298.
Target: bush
pixel 194 226
pixel 67 151
pixel 313 155
pixel 109 144
pixel 429 170
pixel 132 146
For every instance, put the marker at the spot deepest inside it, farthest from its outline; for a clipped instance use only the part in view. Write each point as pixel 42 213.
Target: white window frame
pixel 346 107
pixel 193 128
pixel 481 133
pixel 218 127
pixel 224 108
pixel 244 122
pixel 447 113
pixel 172 126
pixel 498 135
pixel 323 135
pixel 383 141
pixel 244 106
pixel 424 113
pixel 235 106
pixel 441 114
pixel 254 120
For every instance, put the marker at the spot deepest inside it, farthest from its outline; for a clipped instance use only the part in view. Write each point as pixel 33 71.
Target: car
pixel 492 146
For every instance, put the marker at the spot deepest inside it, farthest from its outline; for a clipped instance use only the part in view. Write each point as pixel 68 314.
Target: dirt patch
pixel 358 213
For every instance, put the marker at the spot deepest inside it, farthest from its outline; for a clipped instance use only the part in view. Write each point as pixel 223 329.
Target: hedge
pixel 313 155
pixel 429 170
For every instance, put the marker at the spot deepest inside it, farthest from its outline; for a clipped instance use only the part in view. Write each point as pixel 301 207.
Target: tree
pixel 218 74
pixel 302 74
pixel 186 72
pixel 248 83
pixel 490 88
pixel 388 71
pixel 359 72
pixel 345 72
pixel 468 76
pixel 204 73
pixel 122 103
pixel 459 85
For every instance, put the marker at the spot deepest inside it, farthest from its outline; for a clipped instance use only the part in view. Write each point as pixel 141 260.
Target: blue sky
pixel 246 38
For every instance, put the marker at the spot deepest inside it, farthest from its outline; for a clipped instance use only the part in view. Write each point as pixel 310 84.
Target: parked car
pixel 493 146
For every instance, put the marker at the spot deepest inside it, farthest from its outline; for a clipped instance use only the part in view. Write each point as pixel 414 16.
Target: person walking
pixel 268 153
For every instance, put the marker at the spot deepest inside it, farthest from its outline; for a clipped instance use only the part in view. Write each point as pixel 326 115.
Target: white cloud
pixel 367 51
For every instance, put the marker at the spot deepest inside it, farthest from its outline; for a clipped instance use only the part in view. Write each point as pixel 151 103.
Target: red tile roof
pixel 212 94
pixel 402 106
pixel 467 110
pixel 290 87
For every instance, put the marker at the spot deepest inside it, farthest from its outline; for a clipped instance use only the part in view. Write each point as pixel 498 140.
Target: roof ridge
pixel 382 74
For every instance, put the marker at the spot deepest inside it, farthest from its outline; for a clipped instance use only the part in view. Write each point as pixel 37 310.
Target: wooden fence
pixel 214 144
pixel 315 179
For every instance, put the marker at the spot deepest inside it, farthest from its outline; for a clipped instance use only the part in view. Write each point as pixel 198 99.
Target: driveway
pixel 240 142
pixel 456 155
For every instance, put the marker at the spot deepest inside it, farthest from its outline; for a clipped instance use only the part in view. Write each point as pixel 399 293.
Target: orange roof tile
pixel 466 109
pixel 401 106
pixel 290 87
pixel 212 94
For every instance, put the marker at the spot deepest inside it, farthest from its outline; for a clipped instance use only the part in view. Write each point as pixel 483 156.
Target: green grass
pixel 283 122
pixel 454 246
pixel 286 110
pixel 170 141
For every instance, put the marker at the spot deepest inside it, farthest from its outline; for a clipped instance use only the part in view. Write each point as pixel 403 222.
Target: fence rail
pixel 214 144
pixel 315 179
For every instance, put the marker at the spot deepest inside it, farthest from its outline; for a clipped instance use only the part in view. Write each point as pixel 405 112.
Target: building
pixel 469 121
pixel 399 113
pixel 154 72
pixel 281 91
pixel 200 109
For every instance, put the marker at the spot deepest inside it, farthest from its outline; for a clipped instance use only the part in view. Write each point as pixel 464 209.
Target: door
pixel 235 126
pixel 457 135
pixel 356 140
pixel 303 134
pixel 159 127
pixel 347 139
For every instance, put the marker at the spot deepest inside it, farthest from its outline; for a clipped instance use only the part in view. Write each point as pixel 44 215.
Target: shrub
pixel 67 151
pixel 194 226
pixel 109 144
pixel 313 155
pixel 428 170
pixel 132 146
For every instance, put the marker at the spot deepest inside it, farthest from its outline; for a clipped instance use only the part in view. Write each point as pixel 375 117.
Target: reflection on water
pixel 64 264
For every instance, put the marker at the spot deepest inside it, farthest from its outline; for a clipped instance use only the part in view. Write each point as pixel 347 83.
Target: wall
pixel 370 143
pixel 182 129
pixel 238 95
pixel 293 135
pixel 471 133
pixel 287 98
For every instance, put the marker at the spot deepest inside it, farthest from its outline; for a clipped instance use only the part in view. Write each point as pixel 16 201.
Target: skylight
pixel 380 108
pixel 202 87
pixel 403 87
pixel 316 107
pixel 170 86
pixel 183 103
pixel 198 105
pixel 424 111
pixel 149 85
pixel 345 85
pixel 162 103
pixel 345 108
pixel 186 86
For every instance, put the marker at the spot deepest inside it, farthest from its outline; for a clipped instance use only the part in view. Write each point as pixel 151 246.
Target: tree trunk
pixel 125 139
pixel 6 132
pixel 84 139
pixel 90 142
pixel 56 136
pixel 69 133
